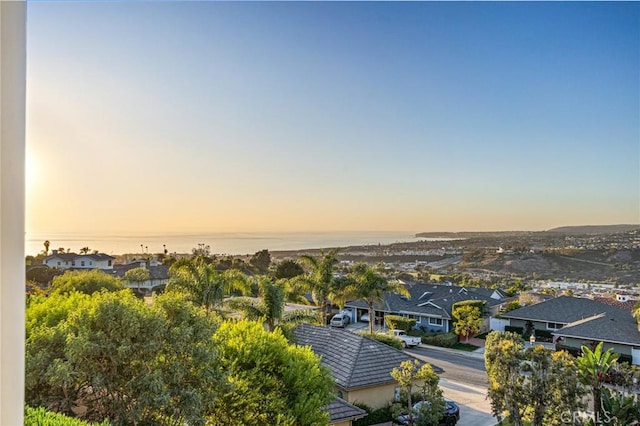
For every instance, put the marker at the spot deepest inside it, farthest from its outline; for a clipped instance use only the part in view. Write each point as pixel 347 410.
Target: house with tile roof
pixel 430 304
pixel 341 413
pixel 576 322
pixel 360 366
pixel 158 274
pixel 79 261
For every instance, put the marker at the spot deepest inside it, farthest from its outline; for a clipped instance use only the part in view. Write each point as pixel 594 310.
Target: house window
pixel 73 263
pixel 109 263
pixel 91 262
pixel 554 325
pixel 82 263
pixel 396 394
pixel 435 321
pixel 59 263
pixel 413 317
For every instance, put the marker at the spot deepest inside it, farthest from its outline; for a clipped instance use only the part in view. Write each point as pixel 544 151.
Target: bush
pixel 543 335
pixel 392 341
pixel 396 322
pixel 517 330
pixel 445 340
pixel 41 417
pixel 381 415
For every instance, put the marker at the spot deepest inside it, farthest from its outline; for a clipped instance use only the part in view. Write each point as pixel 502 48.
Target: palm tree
pixel 206 286
pixel 84 250
pixel 46 247
pixel 368 285
pixel 270 306
pixel 319 280
pixel 593 367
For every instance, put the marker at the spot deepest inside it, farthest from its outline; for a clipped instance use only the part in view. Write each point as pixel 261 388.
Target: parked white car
pixel 341 319
pixel 406 339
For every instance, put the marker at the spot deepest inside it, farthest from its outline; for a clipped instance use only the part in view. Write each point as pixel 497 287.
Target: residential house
pixel 360 366
pixel 158 275
pixel 575 322
pixel 79 261
pixel 430 305
pixel 341 413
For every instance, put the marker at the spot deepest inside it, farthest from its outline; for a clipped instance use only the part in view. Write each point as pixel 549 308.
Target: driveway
pixel 475 408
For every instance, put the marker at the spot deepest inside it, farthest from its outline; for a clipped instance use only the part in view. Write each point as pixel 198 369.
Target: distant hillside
pixel 563 230
pixel 594 229
pixel 489 234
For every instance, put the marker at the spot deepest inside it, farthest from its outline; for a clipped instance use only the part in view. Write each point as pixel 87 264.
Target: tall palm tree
pixel 319 279
pixel 206 286
pixel 270 305
pixel 368 285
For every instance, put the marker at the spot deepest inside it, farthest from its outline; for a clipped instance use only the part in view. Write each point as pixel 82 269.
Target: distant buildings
pixel 79 261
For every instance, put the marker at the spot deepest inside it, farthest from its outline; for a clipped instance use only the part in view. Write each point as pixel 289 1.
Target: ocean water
pixel 219 243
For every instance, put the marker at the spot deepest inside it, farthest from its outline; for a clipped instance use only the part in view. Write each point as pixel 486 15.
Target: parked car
pixel 341 319
pixel 364 317
pixel 406 339
pixel 449 418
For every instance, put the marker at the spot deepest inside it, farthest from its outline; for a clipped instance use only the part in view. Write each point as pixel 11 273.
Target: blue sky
pixel 205 116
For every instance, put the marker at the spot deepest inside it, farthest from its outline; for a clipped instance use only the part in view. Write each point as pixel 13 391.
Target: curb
pixel 478 353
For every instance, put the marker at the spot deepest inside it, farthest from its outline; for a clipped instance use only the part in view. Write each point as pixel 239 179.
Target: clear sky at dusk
pixel 203 116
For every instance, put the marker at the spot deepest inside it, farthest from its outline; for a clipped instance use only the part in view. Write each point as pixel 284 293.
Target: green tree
pixel 205 285
pixel 137 276
pixel 636 314
pixel 536 386
pixel 410 374
pixel 502 357
pixel 87 282
pixel 593 367
pixel 319 280
pixel 261 260
pixel 468 320
pixel 271 382
pixel 364 283
pixel 270 305
pixel 288 269
pixel 85 250
pixel 121 359
pixel 512 306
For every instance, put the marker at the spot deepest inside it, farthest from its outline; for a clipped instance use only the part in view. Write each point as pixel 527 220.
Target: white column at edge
pixel 12 163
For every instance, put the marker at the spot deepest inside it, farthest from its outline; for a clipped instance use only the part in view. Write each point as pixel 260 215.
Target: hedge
pixel 543 335
pixel 445 340
pixel 381 415
pixel 392 341
pixel 41 417
pixel 397 322
pixel 517 330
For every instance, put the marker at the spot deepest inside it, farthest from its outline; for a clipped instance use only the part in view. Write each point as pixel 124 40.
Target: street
pixel 463 379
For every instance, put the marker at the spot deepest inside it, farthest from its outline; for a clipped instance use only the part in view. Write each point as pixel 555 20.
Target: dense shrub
pixel 397 322
pixel 543 335
pixel 517 330
pixel 41 417
pixel 381 415
pixel 480 304
pixel 445 340
pixel 384 338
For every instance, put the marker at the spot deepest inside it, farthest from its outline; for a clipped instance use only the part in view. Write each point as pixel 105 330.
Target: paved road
pixel 452 365
pixel 463 379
